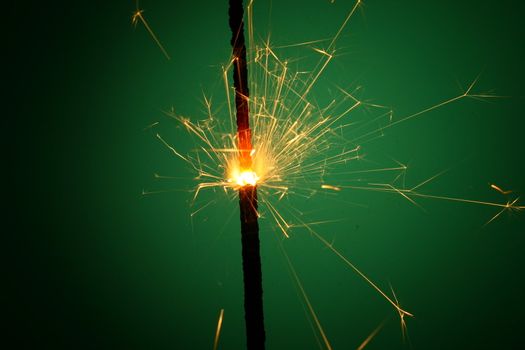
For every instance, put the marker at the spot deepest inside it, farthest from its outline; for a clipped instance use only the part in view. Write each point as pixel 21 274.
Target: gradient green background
pixel 97 266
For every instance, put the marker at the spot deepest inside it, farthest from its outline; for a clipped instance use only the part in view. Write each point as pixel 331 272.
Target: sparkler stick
pixel 251 258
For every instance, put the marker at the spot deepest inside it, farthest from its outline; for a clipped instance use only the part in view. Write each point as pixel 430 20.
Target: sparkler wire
pixel 251 258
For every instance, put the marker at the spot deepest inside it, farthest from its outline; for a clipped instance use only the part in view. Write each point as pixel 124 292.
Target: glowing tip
pixel 246 178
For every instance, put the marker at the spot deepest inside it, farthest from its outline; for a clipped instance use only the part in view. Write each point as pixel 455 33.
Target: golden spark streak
pixel 507 205
pixel 137 15
pixel 152 125
pixel 305 298
pixel 408 193
pixel 148 193
pixel 368 171
pixel 401 312
pixel 172 149
pixel 401 316
pixel 466 94
pixel 279 220
pixel 330 187
pixel 356 5
pixel 500 190
pixel 218 330
pixel 202 208
pixel 371 336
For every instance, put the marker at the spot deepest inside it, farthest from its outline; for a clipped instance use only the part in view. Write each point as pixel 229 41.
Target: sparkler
pixel 299 148
pixel 247 181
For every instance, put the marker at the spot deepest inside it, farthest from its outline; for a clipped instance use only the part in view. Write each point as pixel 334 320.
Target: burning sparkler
pixel 246 179
pixel 289 146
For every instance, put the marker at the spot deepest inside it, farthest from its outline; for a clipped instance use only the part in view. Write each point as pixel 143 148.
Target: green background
pixel 96 265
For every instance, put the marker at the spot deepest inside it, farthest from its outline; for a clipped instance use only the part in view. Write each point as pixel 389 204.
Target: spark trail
pixel 138 16
pixel 371 336
pixel 218 330
pixel 410 193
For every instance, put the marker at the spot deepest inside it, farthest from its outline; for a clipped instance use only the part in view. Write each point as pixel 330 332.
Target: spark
pixel 218 330
pixel 334 40
pixel 509 206
pixel 466 94
pixel 395 304
pixel 497 188
pixel 305 298
pixel 330 187
pixel 404 331
pixel 152 125
pixel 371 336
pixel 202 208
pixel 171 148
pixel 138 16
pixel 150 192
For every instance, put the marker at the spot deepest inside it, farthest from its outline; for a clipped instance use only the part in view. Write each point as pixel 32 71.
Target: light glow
pixel 244 178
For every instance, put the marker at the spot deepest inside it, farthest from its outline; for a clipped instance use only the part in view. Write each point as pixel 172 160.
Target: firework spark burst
pixel 301 148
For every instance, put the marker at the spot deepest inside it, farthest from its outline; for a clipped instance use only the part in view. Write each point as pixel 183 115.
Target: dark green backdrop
pixel 95 265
